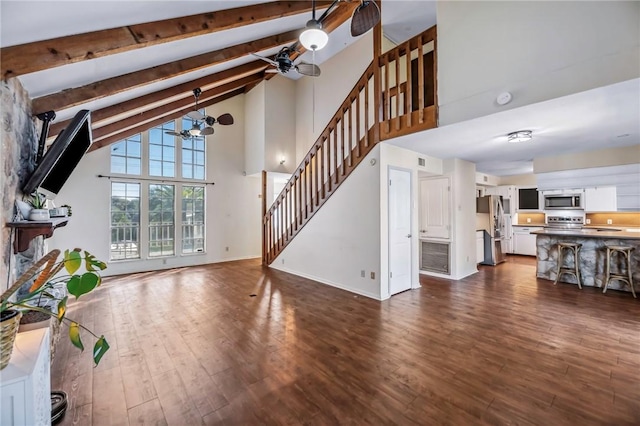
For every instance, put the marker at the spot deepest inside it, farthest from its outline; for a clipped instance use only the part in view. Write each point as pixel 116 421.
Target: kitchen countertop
pixel 625 233
pixel 530 225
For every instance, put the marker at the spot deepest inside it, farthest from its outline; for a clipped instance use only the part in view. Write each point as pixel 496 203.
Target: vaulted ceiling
pixel 135 64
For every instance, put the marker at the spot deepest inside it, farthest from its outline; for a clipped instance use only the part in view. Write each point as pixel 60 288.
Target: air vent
pixel 434 257
pixel 422 162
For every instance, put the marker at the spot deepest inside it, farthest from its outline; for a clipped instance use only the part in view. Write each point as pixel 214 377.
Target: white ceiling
pixel 580 122
pixel 605 117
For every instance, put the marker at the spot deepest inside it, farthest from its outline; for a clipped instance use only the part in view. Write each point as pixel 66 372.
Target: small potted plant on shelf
pixel 41 297
pixel 39 210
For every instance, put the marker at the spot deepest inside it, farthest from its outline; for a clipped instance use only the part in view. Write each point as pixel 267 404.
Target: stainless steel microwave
pixel 563 201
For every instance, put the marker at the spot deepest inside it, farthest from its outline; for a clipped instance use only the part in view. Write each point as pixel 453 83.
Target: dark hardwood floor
pixel 192 346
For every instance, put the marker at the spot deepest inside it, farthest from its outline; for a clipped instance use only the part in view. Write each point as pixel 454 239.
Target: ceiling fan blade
pixel 206 131
pixel 225 119
pixel 196 115
pixel 365 17
pixel 269 60
pixel 173 133
pixel 272 71
pixel 308 69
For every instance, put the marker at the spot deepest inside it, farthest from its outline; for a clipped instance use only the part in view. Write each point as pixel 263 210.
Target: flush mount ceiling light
pixel 313 37
pixel 519 136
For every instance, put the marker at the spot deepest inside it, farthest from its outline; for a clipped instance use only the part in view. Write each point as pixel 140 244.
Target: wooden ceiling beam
pixel 183 105
pixel 184 89
pixel 76 96
pixel 40 55
pixel 160 120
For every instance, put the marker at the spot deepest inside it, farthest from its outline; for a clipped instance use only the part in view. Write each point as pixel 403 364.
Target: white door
pixel 434 208
pixel 399 230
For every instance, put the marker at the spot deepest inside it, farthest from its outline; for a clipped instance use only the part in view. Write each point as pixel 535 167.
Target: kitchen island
pixel 592 257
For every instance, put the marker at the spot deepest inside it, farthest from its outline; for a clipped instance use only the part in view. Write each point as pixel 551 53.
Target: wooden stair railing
pixel 404 81
pixel 347 139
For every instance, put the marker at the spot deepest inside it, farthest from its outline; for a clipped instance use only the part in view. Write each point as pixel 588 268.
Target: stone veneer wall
pixel 19 140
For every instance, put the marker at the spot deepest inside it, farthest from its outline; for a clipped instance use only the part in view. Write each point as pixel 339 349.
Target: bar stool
pixel 571 269
pixel 625 252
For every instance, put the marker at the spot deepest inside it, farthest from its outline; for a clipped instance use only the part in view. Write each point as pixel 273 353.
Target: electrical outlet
pixel 373 275
pixel 588 221
pixel 226 249
pixel 362 273
pixel 609 221
pixel 283 261
pixel 528 220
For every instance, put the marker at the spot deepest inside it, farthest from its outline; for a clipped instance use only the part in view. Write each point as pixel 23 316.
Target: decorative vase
pixel 39 214
pixel 9 322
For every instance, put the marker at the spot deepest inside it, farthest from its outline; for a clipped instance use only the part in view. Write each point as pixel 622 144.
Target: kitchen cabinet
pixel 435 208
pixel 479 246
pixel 523 241
pixel 601 199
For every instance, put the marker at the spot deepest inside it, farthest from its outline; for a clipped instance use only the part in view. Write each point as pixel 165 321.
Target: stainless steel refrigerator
pixel 493 237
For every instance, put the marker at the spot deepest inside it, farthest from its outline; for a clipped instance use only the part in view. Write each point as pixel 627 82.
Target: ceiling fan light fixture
pixel 520 136
pixel 195 129
pixel 313 37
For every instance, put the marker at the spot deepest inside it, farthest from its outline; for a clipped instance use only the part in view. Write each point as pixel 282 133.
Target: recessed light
pixel 519 136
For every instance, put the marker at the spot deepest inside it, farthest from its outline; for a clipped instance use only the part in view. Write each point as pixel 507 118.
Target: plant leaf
pixel 62 308
pixel 91 263
pixel 79 285
pixel 74 335
pixel 72 261
pixel 100 348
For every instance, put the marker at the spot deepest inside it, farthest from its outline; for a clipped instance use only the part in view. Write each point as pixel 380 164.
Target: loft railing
pixel 396 95
pixel 408 80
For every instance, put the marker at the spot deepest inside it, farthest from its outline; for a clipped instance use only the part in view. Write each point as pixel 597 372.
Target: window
pixel 162 151
pixel 192 154
pixel 161 220
pixel 125 156
pixel 192 219
pixel 125 221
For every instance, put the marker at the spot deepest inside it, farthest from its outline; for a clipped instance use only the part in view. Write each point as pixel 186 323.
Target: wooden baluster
pixel 366 112
pixel 420 82
pixel 358 122
pixel 310 169
pixel 386 114
pixel 335 151
pixel 350 137
pixel 342 144
pixel 329 168
pixel 264 213
pixel 317 179
pixel 434 70
pixel 397 117
pixel 300 200
pixel 322 168
pixel 408 93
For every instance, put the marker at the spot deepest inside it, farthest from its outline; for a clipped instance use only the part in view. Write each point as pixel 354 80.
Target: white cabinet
pixel 435 208
pixel 479 246
pixel 601 199
pixel 25 389
pixel 523 241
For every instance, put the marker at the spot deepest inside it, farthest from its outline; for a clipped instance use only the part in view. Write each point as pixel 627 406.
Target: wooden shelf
pixel 27 230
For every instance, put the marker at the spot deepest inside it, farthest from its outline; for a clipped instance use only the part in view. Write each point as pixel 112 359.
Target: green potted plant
pixel 42 277
pixel 39 211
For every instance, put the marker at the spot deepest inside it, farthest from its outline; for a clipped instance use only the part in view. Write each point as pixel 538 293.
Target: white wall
pixel 233 206
pixel 393 156
pixel 537 50
pixel 339 74
pixel 280 124
pixel 255 129
pixel 343 237
pixel 583 160
pixel 463 208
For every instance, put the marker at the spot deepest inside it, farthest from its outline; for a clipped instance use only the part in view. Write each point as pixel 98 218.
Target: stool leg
pixel 628 253
pixel 575 262
pixel 606 276
pixel 560 260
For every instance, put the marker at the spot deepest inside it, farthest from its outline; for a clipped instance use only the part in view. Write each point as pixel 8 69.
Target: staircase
pixel 395 96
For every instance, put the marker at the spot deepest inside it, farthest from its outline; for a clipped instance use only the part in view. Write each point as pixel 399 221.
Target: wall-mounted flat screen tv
pixel 62 157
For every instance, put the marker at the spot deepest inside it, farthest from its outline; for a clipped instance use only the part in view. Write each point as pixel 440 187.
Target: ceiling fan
pixel 198 119
pixel 283 63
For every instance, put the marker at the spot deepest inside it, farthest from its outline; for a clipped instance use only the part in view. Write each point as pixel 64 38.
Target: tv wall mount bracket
pixel 47 118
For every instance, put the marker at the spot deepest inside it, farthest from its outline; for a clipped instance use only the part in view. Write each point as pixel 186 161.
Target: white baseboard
pixel 327 282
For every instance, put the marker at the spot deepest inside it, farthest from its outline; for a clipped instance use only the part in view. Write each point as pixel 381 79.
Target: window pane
pixel 162 151
pixel 118 164
pixel 192 219
pixel 161 220
pixel 133 166
pixel 125 205
pixel 122 153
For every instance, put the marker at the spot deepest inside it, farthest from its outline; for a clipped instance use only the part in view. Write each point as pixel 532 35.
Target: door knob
pixel 408 235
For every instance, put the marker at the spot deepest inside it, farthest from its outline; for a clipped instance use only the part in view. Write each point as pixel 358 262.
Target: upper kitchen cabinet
pixel 601 199
pixel 435 210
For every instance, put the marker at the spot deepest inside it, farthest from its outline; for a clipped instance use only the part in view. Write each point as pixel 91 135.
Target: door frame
pixel 411 224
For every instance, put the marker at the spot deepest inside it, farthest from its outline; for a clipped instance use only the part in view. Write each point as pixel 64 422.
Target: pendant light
pixel 313 37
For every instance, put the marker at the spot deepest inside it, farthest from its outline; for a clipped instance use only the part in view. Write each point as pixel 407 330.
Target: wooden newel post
pixel 263 217
pixel 377 75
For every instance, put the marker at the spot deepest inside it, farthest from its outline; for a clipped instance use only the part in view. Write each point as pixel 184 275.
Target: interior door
pixel 434 208
pixel 399 230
